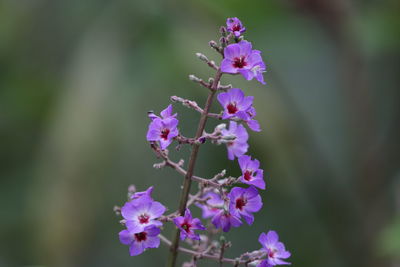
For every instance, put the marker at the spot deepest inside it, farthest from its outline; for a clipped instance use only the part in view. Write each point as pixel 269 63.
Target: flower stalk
pixel 224 204
pixel 192 162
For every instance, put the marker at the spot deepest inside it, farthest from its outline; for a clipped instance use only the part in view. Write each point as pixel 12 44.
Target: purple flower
pixel 251 174
pixel 238 145
pixel 165 114
pixel 253 124
pixel 225 220
pixel 146 193
pixel 240 58
pixel 264 263
pixel 142 212
pixel 187 225
pixel 163 130
pixel 213 205
pixel 235 104
pixel 140 241
pixel 274 249
pixel 244 202
pixel 235 26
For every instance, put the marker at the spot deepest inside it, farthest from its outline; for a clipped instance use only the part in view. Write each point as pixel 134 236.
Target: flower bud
pixel 194 78
pixel 213 44
pixel 202 57
pixel 223 41
pixel 220 127
pixel 223 30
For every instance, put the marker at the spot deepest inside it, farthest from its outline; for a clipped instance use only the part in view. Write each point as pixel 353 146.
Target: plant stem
pixel 192 162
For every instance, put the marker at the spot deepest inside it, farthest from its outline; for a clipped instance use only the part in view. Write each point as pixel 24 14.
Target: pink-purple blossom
pixel 225 220
pixel 253 124
pixel 275 250
pixel 241 58
pixel 142 212
pixel 140 241
pixel 237 145
pixel 235 104
pixel 163 129
pixel 243 202
pixel 165 114
pixel 251 172
pixel 187 224
pixel 146 193
pixel 235 26
pixel 212 205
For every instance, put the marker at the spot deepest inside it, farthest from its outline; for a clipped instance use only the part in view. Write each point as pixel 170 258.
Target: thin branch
pixel 192 162
pixel 179 169
pixel 210 63
pixel 187 103
pixel 205 254
pixel 199 81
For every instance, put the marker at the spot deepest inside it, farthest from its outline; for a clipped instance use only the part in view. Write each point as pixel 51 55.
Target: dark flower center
pixel 239 62
pixel 164 133
pixel 144 218
pixel 186 226
pixel 141 236
pixel 271 253
pixel 247 175
pixel 232 109
pixel 236 27
pixel 240 203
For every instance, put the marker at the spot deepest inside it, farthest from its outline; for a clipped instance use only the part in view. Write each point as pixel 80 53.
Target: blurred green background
pixel 76 81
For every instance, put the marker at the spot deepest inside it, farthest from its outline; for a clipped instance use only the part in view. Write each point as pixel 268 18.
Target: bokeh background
pixel 76 81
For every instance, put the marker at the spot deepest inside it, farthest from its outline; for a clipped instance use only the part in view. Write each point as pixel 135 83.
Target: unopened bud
pixel 202 57
pixel 220 127
pixel 223 30
pixel 132 189
pixel 213 44
pixel 223 41
pixel 194 78
pixel 229 137
pixel 225 87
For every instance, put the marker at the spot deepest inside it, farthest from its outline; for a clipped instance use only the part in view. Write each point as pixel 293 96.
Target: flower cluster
pixel 141 219
pixel 225 201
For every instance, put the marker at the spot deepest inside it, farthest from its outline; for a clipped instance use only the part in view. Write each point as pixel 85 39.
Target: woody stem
pixel 192 162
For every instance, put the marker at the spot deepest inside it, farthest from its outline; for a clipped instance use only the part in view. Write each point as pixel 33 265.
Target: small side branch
pixel 205 254
pixel 200 81
pixel 179 169
pixel 187 103
pixel 210 63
